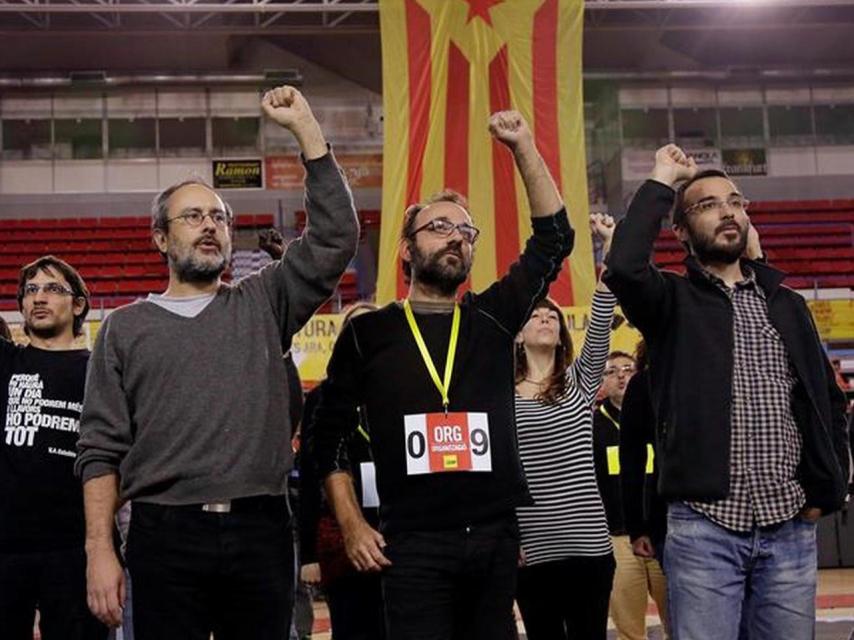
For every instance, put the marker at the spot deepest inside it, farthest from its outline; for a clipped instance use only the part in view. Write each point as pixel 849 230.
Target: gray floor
pixel 842 630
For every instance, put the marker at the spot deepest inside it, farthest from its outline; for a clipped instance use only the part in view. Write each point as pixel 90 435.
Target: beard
pixel 191 267
pixel 431 271
pixel 709 250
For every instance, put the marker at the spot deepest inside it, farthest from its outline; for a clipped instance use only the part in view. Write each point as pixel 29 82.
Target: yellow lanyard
pixel 364 433
pixel 605 413
pixel 442 386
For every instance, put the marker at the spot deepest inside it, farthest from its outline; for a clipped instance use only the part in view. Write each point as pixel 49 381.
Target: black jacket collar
pixel 768 277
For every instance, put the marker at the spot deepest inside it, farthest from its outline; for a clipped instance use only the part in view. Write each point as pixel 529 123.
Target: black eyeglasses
pixel 50 288
pixel 444 227
pixel 195 217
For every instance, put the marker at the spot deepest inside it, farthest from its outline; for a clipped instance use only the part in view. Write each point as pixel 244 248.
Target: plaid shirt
pixel 765 443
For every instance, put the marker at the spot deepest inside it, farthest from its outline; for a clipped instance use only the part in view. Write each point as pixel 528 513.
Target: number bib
pixel 436 443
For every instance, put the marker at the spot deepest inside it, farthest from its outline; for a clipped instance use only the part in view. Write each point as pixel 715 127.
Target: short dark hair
pixel 72 277
pixel 679 206
pixel 412 211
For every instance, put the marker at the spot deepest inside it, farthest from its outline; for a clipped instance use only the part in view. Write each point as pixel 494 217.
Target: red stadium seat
pixel 102 287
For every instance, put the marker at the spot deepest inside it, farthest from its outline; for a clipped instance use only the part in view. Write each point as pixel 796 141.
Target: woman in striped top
pixel 567 563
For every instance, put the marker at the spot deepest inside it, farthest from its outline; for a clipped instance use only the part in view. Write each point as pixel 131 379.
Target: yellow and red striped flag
pixel 448 64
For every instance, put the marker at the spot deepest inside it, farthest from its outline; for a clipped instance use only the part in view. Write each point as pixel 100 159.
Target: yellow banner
pixel 834 319
pixel 312 347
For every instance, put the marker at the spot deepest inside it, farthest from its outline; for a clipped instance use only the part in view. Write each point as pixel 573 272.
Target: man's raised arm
pixel 637 283
pixel 312 265
pixel 510 128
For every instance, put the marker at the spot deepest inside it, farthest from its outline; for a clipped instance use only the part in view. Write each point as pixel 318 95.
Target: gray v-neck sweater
pixel 194 410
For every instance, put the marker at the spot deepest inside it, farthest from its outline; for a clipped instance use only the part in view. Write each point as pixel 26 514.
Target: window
pixel 742 127
pixel 132 138
pixel 26 140
pixel 78 138
pixel 790 125
pixel 695 128
pixel 182 137
pixel 235 136
pixel 834 124
pixel 645 128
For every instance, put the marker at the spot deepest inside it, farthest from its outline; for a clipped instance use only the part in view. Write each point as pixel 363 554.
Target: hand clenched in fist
pixel 602 225
pixel 510 128
pixel 673 165
pixel 288 107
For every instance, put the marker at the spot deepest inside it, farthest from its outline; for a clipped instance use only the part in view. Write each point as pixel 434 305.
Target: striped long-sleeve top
pixel 556 447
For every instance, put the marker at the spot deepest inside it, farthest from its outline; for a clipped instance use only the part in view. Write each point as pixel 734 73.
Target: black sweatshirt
pixel 377 366
pixel 41 502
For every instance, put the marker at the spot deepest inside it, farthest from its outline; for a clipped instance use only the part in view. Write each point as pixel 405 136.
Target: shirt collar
pixel 749 281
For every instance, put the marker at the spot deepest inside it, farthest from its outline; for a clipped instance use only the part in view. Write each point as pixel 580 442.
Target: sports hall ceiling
pixel 739 40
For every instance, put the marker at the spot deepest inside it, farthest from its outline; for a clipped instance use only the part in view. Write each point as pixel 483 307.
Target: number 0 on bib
pixel 438 442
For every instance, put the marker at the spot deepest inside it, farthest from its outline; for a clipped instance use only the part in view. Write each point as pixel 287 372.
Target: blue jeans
pixel 724 585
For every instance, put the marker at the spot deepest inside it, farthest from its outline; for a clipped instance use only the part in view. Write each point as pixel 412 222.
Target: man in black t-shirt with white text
pixel 42 558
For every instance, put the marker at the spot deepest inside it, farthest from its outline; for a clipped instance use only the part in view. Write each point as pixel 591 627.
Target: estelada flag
pixel 448 64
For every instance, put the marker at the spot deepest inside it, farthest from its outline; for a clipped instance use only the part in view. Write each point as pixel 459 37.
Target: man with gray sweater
pixel 186 413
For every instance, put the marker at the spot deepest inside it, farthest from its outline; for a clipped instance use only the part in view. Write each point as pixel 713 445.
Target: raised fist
pixel 672 165
pixel 510 128
pixel 289 108
pixel 602 225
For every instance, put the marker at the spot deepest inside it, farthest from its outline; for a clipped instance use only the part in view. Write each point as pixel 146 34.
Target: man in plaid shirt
pixel 749 420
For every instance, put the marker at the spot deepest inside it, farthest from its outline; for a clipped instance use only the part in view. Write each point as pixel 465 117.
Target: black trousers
pixel 452 585
pixel 195 573
pixel 356 607
pixel 53 581
pixel 566 599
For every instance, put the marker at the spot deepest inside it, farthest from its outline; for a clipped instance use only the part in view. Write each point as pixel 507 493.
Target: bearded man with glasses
pixel 434 379
pixel 42 557
pixel 186 413
pixel 750 424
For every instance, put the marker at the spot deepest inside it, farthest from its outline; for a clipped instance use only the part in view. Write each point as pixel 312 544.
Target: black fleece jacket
pixel 688 326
